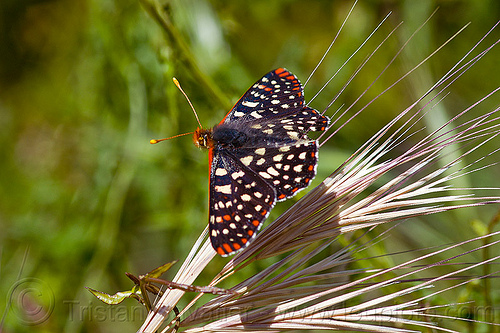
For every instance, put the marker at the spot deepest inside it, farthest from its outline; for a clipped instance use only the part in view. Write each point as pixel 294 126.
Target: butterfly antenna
pixel 153 141
pixel 190 104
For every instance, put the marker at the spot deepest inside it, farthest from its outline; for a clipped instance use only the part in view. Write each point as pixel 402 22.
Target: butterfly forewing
pixel 275 95
pixel 239 202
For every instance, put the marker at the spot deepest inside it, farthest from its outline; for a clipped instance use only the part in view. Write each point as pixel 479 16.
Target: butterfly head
pixel 202 138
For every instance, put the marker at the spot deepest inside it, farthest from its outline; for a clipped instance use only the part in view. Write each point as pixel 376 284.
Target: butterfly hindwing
pixel 279 151
pixel 288 168
pixel 284 130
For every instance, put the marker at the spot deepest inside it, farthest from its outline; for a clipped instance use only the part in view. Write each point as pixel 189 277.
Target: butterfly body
pixel 258 154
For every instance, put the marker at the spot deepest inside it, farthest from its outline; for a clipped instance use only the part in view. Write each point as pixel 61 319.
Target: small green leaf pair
pixel 144 284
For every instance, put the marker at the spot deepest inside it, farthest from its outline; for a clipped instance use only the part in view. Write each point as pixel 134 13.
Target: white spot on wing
pixel 250 104
pixel 272 171
pixel 278 157
pixel 256 115
pixel 246 197
pixel 265 174
pixel 260 151
pixel 220 172
pixel 238 174
pixel 226 189
pixel 246 160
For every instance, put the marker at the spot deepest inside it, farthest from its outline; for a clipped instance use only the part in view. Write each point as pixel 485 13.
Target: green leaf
pixel 116 298
pixel 157 272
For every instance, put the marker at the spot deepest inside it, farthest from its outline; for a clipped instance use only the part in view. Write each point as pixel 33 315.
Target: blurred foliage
pixel 84 85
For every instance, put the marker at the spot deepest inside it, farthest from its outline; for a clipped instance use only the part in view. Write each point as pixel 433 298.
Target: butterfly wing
pixel 288 168
pixel 239 202
pixel 277 94
pixel 279 150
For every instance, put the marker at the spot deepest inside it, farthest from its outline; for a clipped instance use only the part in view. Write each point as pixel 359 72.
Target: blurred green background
pixel 84 85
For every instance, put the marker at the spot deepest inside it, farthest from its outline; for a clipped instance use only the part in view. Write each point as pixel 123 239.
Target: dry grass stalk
pixel 289 303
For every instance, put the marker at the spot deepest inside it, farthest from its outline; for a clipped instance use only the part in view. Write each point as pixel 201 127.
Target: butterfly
pixel 259 154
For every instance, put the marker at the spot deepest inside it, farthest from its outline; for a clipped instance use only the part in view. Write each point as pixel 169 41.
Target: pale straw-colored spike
pixel 317 315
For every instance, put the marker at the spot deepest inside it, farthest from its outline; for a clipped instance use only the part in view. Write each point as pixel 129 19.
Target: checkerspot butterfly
pixel 258 154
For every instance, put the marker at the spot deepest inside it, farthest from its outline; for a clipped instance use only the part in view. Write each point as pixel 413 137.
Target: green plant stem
pixel 160 15
pixel 486 268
